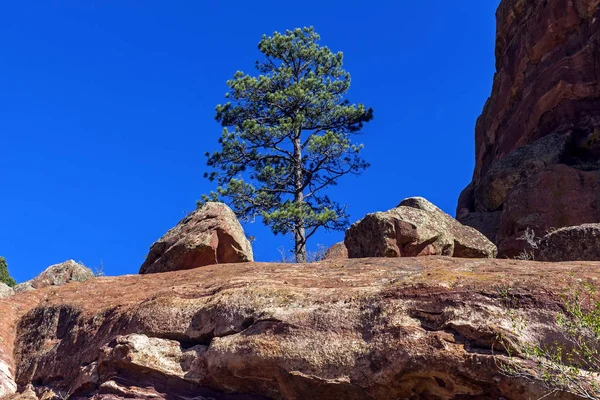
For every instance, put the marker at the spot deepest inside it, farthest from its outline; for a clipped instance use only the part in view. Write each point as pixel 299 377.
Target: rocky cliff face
pixel 423 328
pixel 544 110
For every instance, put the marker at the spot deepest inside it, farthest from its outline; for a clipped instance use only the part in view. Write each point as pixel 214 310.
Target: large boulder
pixel 5 290
pixel 573 243
pixel 415 228
pixel 381 329
pixel 544 111
pixel 56 275
pixel 336 252
pixel 210 235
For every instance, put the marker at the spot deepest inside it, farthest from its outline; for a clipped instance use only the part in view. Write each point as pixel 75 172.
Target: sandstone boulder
pixel 209 235
pixel 5 290
pixel 573 243
pixel 415 228
pixel 56 275
pixel 336 252
pixel 424 328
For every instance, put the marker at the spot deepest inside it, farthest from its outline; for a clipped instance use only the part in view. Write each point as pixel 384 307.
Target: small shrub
pixel 317 255
pixel 571 365
pixel 532 244
pixel 99 270
pixel 287 256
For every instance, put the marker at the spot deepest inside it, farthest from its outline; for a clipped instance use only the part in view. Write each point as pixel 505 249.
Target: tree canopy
pixel 4 276
pixel 287 138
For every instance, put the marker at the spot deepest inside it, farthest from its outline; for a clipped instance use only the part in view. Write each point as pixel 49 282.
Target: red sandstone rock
pixel 557 197
pixel 544 110
pixel 581 242
pixel 415 228
pixel 546 79
pixel 336 252
pixel 56 275
pixel 209 235
pixel 417 328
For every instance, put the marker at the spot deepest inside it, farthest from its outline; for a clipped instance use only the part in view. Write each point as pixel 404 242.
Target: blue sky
pixel 107 109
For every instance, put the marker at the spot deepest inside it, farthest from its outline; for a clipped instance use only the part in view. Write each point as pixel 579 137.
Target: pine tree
pixel 4 276
pixel 287 138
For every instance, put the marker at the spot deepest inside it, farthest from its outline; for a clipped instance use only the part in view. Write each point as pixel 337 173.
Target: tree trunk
pixel 300 247
pixel 299 232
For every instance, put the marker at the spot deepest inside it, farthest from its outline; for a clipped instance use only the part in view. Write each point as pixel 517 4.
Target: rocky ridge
pixel 411 328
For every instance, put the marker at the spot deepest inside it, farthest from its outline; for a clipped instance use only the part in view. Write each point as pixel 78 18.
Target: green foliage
pixel 569 364
pixel 287 138
pixel 4 276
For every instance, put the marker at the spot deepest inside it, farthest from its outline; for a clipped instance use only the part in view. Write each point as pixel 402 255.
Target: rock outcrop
pixel 209 235
pixel 415 228
pixel 573 243
pixel 557 197
pixel 416 328
pixel 542 117
pixel 5 290
pixel 336 252
pixel 56 275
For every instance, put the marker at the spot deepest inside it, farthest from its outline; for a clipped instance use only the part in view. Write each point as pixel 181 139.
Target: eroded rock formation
pixel 544 111
pixel 415 228
pixel 209 235
pixel 403 328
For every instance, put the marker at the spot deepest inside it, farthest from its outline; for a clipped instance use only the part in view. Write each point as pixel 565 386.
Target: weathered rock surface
pixel 520 164
pixel 580 242
pixel 5 290
pixel 544 110
pixel 546 79
pixel 209 235
pixel 556 197
pixel 56 275
pixel 336 252
pixel 415 228
pixel 404 328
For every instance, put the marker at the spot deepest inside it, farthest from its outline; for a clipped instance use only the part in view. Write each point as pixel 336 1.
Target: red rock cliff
pixel 544 110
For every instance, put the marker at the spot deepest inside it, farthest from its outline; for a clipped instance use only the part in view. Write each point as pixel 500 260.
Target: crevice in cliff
pixel 185 342
pixel 473 340
pixel 188 341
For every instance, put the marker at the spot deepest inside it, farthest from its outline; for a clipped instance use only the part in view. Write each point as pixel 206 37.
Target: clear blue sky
pixel 107 109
